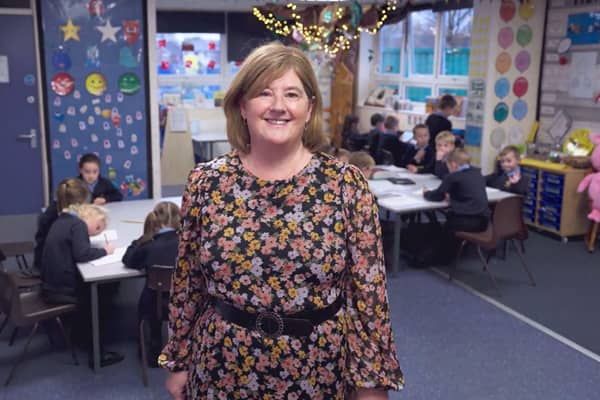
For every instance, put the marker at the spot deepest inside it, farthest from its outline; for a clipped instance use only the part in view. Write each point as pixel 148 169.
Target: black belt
pixel 271 324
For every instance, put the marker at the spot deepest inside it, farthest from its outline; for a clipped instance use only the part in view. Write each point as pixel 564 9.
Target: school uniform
pixel 44 222
pixel 469 210
pixel 67 244
pixel 437 122
pixel 373 142
pixel 501 180
pixel 161 250
pixel 426 165
pixel 440 168
pixel 390 142
pixel 103 187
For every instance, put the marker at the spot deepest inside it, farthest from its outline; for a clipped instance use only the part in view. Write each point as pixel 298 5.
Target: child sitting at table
pixel 419 157
pixel 445 143
pixel 70 192
pixel 464 188
pixel 102 189
pixel 508 176
pixel 157 246
pixel 363 161
pixel 68 243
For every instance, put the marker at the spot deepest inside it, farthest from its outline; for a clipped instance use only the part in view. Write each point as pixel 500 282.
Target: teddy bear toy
pixel 591 182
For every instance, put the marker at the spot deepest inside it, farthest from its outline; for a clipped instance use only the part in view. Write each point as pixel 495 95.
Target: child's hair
pixel 419 126
pixel 90 211
pixel 459 156
pixel 342 153
pixel 445 137
pixel 376 119
pixel 151 227
pixel 89 157
pixel 71 191
pixel 167 215
pixel 510 149
pixel 361 159
pixel 390 122
pixel 447 101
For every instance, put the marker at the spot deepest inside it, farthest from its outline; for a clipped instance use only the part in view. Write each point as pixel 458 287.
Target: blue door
pixel 21 178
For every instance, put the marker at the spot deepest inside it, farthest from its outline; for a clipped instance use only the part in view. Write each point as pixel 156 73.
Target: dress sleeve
pixel 371 360
pixel 188 294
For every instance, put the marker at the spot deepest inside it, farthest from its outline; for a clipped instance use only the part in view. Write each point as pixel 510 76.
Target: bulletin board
pixel 96 89
pixel 570 90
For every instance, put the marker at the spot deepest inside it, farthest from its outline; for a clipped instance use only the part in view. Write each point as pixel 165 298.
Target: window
pixel 423 28
pixel 426 54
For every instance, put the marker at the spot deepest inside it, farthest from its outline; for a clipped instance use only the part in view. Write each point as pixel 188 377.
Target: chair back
pixel 158 278
pixel 507 219
pixel 9 294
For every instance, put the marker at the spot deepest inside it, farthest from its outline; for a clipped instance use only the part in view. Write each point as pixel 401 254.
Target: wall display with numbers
pixel 96 90
pixel 571 70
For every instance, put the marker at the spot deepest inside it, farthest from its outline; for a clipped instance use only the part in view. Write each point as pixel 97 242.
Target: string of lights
pixel 334 35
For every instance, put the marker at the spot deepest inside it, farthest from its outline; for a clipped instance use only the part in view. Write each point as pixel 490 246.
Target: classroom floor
pixel 452 342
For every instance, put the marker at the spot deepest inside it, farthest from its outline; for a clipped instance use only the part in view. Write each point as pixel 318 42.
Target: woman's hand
pixel 371 394
pixel 175 384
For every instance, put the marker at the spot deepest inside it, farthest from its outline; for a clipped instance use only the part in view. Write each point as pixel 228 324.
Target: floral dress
pixel 282 246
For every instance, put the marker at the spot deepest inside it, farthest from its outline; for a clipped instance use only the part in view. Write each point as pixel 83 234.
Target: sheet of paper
pixel 108 235
pixel 4 76
pixel 111 258
pixel 178 120
pixel 582 74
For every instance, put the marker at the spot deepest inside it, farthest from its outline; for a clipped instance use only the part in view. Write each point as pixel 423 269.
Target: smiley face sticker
pixel 95 83
pixel 129 83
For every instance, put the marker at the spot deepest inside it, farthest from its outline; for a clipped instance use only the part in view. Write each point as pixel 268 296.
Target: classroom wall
pixel 506 52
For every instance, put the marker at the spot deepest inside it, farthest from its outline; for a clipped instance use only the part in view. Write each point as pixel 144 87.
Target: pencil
pixel 105 238
pixel 132 221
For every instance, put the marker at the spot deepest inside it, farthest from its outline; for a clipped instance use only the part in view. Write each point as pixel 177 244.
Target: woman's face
pixel 278 114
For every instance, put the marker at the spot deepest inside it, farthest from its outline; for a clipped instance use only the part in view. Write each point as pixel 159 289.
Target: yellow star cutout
pixel 70 30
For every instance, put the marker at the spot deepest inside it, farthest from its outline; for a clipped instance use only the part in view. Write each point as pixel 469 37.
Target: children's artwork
pixel 582 74
pixel 520 86
pixel 583 28
pixel 524 35
pixel 519 110
pixel 502 87
pixel 507 10
pixel 99 45
pixel 522 61
pixel 505 37
pixel 501 112
pixel 503 62
pixel 473 135
pixel 564 46
pixel 526 10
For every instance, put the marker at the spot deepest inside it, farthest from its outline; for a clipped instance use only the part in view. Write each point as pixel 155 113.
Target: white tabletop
pixel 409 198
pixel 127 218
pixel 209 137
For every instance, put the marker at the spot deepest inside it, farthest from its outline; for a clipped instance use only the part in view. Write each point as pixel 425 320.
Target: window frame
pixel 405 78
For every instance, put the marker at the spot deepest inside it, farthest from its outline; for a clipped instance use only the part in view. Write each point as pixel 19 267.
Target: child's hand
pixel 100 201
pixel 412 168
pixel 439 155
pixel 109 248
pixel 514 178
pixel 419 156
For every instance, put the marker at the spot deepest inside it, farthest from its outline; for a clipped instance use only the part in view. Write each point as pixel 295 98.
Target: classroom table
pixel 127 218
pixel 403 199
pixel 211 138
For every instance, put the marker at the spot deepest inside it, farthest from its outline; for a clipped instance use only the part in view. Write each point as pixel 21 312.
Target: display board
pixel 570 90
pixel 96 92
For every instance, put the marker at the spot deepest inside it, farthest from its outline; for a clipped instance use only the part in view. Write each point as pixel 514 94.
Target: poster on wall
pixel 95 68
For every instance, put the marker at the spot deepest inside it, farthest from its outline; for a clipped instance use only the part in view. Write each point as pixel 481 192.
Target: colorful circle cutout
pixel 501 112
pixel 522 61
pixel 524 35
pixel 502 87
pixel 129 83
pixel 62 84
pixel 507 10
pixel 95 84
pixel 519 110
pixel 505 37
pixel 520 86
pixel 503 62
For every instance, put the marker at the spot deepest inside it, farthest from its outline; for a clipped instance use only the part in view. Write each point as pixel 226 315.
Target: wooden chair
pixel 507 224
pixel 26 309
pixel 158 278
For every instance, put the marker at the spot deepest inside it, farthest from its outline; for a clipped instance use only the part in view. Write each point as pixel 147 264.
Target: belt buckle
pixel 269 324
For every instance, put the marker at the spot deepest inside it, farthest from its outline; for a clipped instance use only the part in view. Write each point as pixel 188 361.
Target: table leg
pixel 211 149
pixel 396 248
pixel 95 326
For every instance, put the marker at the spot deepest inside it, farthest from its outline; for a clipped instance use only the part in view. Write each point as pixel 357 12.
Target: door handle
pixel 31 137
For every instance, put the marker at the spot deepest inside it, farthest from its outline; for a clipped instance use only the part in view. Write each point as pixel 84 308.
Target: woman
pixel 279 289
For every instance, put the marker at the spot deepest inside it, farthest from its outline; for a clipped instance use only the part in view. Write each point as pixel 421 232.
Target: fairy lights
pixel 331 39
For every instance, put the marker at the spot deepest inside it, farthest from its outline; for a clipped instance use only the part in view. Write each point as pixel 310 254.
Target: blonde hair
pixel 361 159
pixel 90 212
pixel 445 137
pixel 71 191
pixel 510 149
pixel 265 64
pixel 459 156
